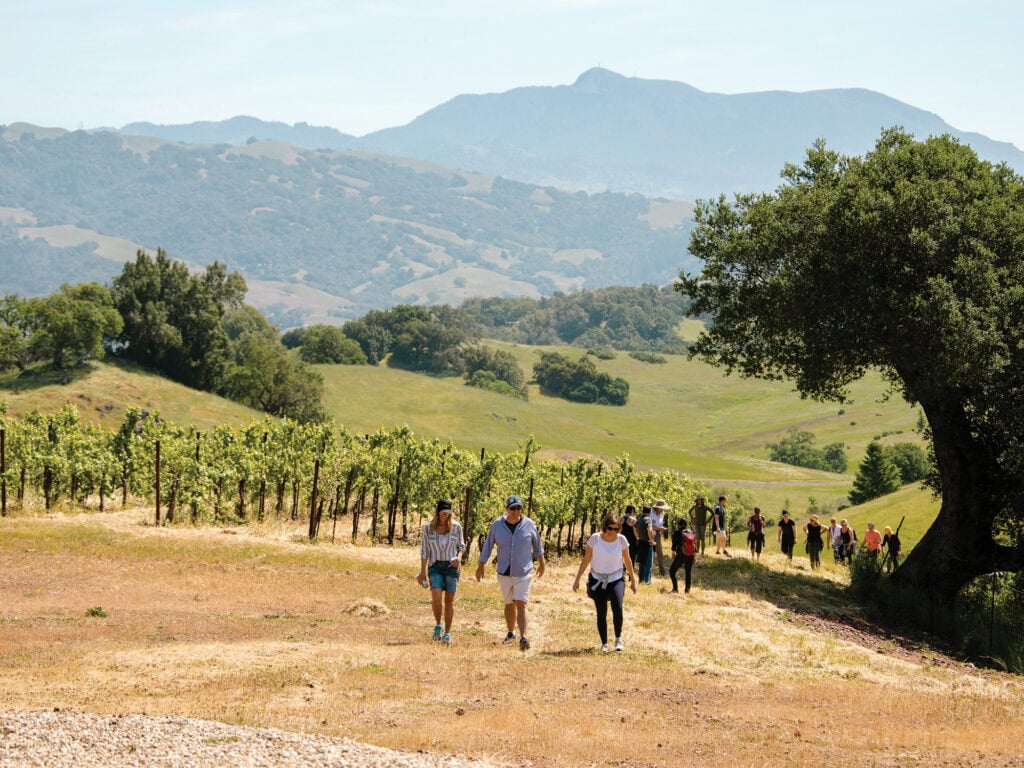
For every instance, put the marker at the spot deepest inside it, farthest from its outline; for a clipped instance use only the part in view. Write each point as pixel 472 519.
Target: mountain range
pixel 623 134
pixel 528 192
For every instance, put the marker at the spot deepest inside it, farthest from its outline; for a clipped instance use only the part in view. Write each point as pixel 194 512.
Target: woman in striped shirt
pixel 441 549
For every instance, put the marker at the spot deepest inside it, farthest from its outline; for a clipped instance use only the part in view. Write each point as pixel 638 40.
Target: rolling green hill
pixel 102 392
pixel 682 415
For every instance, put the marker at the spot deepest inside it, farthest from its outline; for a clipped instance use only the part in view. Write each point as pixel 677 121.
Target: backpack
pixel 689 543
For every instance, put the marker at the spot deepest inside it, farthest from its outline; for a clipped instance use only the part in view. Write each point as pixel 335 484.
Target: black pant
pixel 787 547
pixel 612 593
pixel 686 562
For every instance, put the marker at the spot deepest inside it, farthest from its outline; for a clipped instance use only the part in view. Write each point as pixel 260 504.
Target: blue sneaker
pixel 437 632
pixel 447 639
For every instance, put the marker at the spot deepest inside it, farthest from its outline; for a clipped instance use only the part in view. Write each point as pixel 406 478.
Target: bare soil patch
pixel 760 664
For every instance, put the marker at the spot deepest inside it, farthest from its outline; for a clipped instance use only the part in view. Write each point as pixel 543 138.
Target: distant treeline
pixel 644 318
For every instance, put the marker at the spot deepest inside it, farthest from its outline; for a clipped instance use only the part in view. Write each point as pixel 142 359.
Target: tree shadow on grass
pixel 817 602
pixel 45 375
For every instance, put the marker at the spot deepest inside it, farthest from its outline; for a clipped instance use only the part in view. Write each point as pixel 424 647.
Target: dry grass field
pixel 762 664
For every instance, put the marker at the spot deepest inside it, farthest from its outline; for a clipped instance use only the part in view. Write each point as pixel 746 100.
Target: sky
pixel 360 66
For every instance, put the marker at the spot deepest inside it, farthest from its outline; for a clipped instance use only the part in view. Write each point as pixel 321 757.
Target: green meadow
pixel 683 415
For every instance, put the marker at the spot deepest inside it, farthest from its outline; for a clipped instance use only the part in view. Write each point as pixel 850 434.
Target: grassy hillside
pixel 683 415
pixel 102 392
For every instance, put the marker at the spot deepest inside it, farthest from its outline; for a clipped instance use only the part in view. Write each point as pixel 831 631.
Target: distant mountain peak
pixel 598 78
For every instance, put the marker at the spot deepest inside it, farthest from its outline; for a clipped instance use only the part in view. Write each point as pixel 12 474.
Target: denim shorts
pixel 444 576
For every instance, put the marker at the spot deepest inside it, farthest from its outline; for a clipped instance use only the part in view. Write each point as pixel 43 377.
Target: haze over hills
pixel 610 132
pixel 319 235
pixel 325 226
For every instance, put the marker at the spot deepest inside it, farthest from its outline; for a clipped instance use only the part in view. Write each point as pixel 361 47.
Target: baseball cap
pixel 513 501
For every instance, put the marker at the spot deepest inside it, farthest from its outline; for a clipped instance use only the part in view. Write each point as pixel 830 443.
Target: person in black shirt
pixel 787 534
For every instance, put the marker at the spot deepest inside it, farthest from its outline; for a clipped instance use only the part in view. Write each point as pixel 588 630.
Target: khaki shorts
pixel 515 589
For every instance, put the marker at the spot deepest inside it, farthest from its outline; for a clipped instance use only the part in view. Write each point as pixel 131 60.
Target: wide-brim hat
pixel 660 504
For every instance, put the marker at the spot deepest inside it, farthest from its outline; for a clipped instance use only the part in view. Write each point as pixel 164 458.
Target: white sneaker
pixel 618 644
pixel 604 648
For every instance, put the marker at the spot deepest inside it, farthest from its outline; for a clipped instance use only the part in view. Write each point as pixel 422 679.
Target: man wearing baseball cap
pixel 518 543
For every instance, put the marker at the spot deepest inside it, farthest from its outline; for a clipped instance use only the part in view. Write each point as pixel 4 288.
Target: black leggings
pixel 681 561
pixel 613 593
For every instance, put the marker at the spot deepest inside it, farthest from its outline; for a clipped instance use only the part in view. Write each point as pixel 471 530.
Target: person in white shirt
pixel 660 528
pixel 441 549
pixel 834 539
pixel 607 554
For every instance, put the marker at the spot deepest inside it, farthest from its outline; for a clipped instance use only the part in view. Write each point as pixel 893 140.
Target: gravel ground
pixel 56 739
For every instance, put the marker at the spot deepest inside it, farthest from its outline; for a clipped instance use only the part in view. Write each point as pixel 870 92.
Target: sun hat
pixel 660 504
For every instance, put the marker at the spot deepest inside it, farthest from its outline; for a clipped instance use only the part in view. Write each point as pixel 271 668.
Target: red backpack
pixel 689 543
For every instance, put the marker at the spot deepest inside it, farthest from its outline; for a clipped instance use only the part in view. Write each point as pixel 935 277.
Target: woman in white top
pixel 607 554
pixel 441 550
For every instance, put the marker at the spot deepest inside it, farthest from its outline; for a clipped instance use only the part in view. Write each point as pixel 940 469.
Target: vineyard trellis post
pixel 3 472
pixel 157 482
pixel 313 518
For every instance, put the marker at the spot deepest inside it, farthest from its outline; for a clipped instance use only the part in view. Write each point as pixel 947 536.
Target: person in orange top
pixel 873 541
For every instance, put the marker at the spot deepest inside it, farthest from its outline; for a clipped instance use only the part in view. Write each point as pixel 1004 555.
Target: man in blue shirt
pixel 518 543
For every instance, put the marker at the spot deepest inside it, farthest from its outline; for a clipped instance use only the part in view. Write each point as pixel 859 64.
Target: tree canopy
pixel 909 260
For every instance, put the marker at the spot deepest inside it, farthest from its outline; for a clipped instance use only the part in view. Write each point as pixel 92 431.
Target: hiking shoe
pixel 726 553
pixel 524 644
pixel 510 638
pixel 604 648
pixel 618 644
pixel 447 639
pixel 437 632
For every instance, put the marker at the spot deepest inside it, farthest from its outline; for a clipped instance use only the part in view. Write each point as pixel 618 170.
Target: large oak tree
pixel 909 260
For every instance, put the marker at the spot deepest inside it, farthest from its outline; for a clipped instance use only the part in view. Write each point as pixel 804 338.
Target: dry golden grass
pixel 760 664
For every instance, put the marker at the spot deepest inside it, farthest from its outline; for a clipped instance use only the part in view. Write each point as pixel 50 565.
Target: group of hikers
pixel 626 546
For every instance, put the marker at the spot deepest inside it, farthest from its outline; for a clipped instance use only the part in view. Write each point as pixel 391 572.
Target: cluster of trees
pixel 579 380
pixel 886 468
pixel 642 318
pixel 190 327
pixel 440 340
pixel 797 448
pixel 324 344
pixel 386 481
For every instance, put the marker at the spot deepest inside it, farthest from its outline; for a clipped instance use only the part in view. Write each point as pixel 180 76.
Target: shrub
pixel 648 357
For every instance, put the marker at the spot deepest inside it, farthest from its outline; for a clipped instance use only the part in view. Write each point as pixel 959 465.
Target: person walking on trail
pixel 873 541
pixel 718 523
pixel 787 534
pixel 518 543
pixel 835 540
pixel 629 531
pixel 442 546
pixel 660 527
pixel 684 550
pixel 607 554
pixel 645 545
pixel 755 533
pixel 698 515
pixel 891 543
pixel 815 542
pixel 847 541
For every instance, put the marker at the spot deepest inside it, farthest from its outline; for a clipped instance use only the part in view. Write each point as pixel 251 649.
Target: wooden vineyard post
pixel 470 522
pixel 3 472
pixel 313 521
pixel 158 482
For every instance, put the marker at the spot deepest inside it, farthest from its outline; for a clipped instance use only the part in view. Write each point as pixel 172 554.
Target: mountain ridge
pixel 660 138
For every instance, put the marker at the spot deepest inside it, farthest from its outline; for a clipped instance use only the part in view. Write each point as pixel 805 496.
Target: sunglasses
pixel 612 528
pixel 516 507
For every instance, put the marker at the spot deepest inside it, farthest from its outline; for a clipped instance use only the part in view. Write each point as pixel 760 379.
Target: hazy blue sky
pixel 359 66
